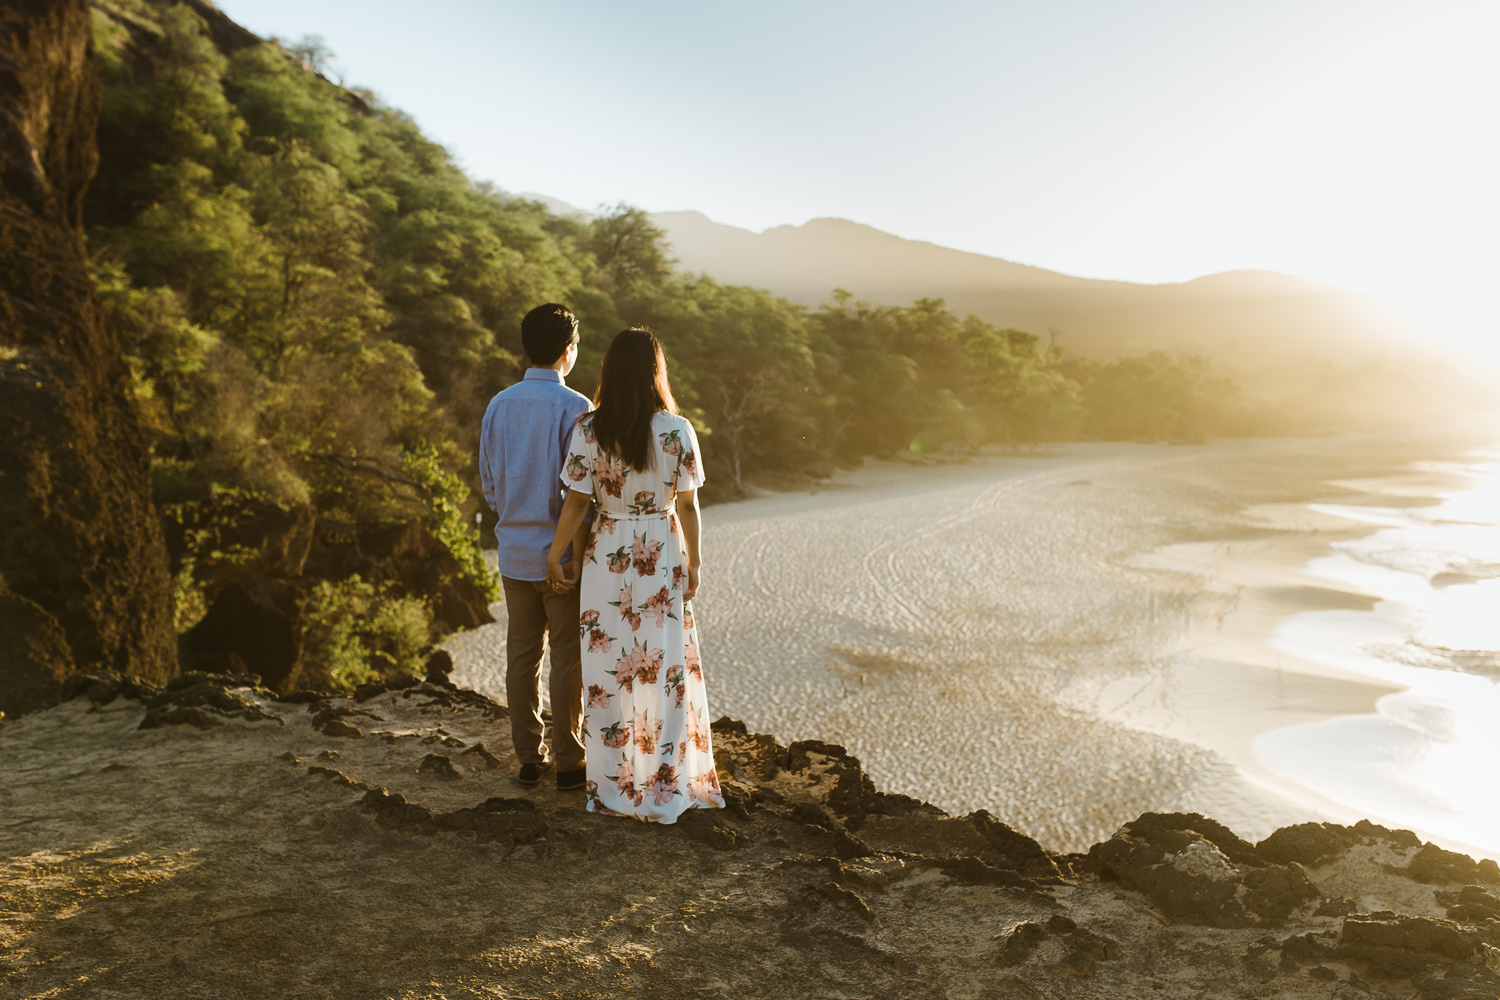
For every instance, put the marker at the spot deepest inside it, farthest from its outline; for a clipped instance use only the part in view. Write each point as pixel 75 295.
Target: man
pixel 523 444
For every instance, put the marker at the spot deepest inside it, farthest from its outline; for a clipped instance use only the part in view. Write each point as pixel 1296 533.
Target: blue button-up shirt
pixel 522 446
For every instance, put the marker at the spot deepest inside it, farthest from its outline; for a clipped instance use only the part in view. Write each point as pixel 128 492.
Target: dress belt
pixel 648 516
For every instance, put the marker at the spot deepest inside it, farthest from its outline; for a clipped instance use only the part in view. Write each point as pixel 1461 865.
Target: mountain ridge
pixel 1246 316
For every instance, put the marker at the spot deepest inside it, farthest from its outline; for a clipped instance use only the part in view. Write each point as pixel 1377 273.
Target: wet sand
pixel 1065 639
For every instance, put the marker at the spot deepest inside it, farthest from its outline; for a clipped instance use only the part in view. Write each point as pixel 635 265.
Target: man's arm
pixel 487 481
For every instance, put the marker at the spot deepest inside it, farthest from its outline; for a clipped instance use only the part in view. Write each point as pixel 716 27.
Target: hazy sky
pixel 1356 143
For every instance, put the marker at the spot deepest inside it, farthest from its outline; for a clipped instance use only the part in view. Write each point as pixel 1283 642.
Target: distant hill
pixel 1241 316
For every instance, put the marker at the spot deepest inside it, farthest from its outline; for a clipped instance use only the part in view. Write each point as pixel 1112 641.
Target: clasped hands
pixel 563 579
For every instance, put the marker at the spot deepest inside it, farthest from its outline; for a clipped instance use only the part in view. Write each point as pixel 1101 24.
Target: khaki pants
pixel 537 613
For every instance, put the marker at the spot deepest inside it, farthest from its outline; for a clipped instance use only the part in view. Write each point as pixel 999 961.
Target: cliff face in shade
pixel 83 569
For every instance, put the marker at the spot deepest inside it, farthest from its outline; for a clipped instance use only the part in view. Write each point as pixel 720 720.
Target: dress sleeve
pixel 578 468
pixel 688 473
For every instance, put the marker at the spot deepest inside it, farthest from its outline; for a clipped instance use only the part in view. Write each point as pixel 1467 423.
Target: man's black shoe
pixel 531 774
pixel 571 781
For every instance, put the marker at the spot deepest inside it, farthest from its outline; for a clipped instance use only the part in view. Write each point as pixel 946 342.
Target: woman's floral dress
pixel 645 722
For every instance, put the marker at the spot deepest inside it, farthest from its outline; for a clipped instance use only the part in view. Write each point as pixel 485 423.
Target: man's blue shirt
pixel 522 446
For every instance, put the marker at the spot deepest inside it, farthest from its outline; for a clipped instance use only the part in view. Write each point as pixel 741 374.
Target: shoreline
pixel 1235 684
pixel 1050 612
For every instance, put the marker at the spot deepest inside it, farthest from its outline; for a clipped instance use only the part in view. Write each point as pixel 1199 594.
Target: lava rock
pixel 1276 890
pixel 341 729
pixel 1306 843
pixel 435 765
pixel 704 827
pixel 479 756
pixel 1475 904
pixel 1435 866
pixel 496 819
pixel 391 812
pixel 1195 870
pixel 1019 942
pixel 206 700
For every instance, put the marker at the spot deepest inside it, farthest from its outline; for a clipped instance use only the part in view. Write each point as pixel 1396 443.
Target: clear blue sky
pixel 1355 142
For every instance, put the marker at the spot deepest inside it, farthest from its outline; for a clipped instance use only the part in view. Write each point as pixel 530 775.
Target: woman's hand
pixel 694 575
pixel 560 577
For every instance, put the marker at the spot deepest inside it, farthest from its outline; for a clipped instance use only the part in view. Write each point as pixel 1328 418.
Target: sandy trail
pixel 1067 639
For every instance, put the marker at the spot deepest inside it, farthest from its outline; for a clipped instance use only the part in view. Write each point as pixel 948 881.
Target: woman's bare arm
pixel 570 530
pixel 687 514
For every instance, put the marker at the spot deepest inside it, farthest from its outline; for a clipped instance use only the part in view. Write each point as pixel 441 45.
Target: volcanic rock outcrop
pixel 83 569
pixel 377 846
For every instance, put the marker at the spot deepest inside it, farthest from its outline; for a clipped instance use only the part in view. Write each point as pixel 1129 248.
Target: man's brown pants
pixel 539 613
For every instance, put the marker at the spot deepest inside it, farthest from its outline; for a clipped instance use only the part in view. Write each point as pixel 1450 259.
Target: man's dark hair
pixel 547 331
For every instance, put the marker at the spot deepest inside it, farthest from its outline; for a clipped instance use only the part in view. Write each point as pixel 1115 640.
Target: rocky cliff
pixel 83 568
pixel 378 846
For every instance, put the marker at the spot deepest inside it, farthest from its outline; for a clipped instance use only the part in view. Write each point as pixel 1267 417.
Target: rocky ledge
pixel 209 839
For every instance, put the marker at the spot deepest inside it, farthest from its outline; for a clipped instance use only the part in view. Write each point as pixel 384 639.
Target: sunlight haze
pixel 1350 143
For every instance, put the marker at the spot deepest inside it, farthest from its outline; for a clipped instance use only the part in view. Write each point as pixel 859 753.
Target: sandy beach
pixel 1066 639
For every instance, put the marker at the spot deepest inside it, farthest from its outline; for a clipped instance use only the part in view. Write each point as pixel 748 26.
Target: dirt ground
pixel 275 858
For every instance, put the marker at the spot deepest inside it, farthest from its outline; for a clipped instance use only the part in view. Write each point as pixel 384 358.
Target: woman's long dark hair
pixel 632 388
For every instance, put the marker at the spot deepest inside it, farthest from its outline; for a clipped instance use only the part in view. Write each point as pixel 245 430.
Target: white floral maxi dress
pixel 645 722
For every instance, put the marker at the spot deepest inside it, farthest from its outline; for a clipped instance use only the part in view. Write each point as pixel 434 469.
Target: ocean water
pixel 1428 758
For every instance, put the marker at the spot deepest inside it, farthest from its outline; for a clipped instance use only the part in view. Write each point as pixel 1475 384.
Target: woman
pixel 645 725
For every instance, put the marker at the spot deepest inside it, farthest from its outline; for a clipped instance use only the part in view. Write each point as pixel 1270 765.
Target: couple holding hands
pixel 598 531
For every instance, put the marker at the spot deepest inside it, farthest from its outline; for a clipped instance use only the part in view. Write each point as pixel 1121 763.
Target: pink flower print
pixel 647 665
pixel 598 697
pixel 625 782
pixel 615 736
pixel 599 642
pixel 674 683
pixel 604 524
pixel 693 660
pixel 687 616
pixel 591 793
pixel 663 784
pixel 625 670
pixel 609 474
pixel 627 611
pixel 646 732
pixel 671 443
pixel 578 467
pixel 705 788
pixel 659 606
pixel 697 732
pixel 589 619
pixel 588 551
pixel 588 430
pixel 677 575
pixel 644 555
pixel 618 561
pixel 689 464
pixel 672 523
pixel 644 502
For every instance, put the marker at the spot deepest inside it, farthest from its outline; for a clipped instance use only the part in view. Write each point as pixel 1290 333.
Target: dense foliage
pixel 315 304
